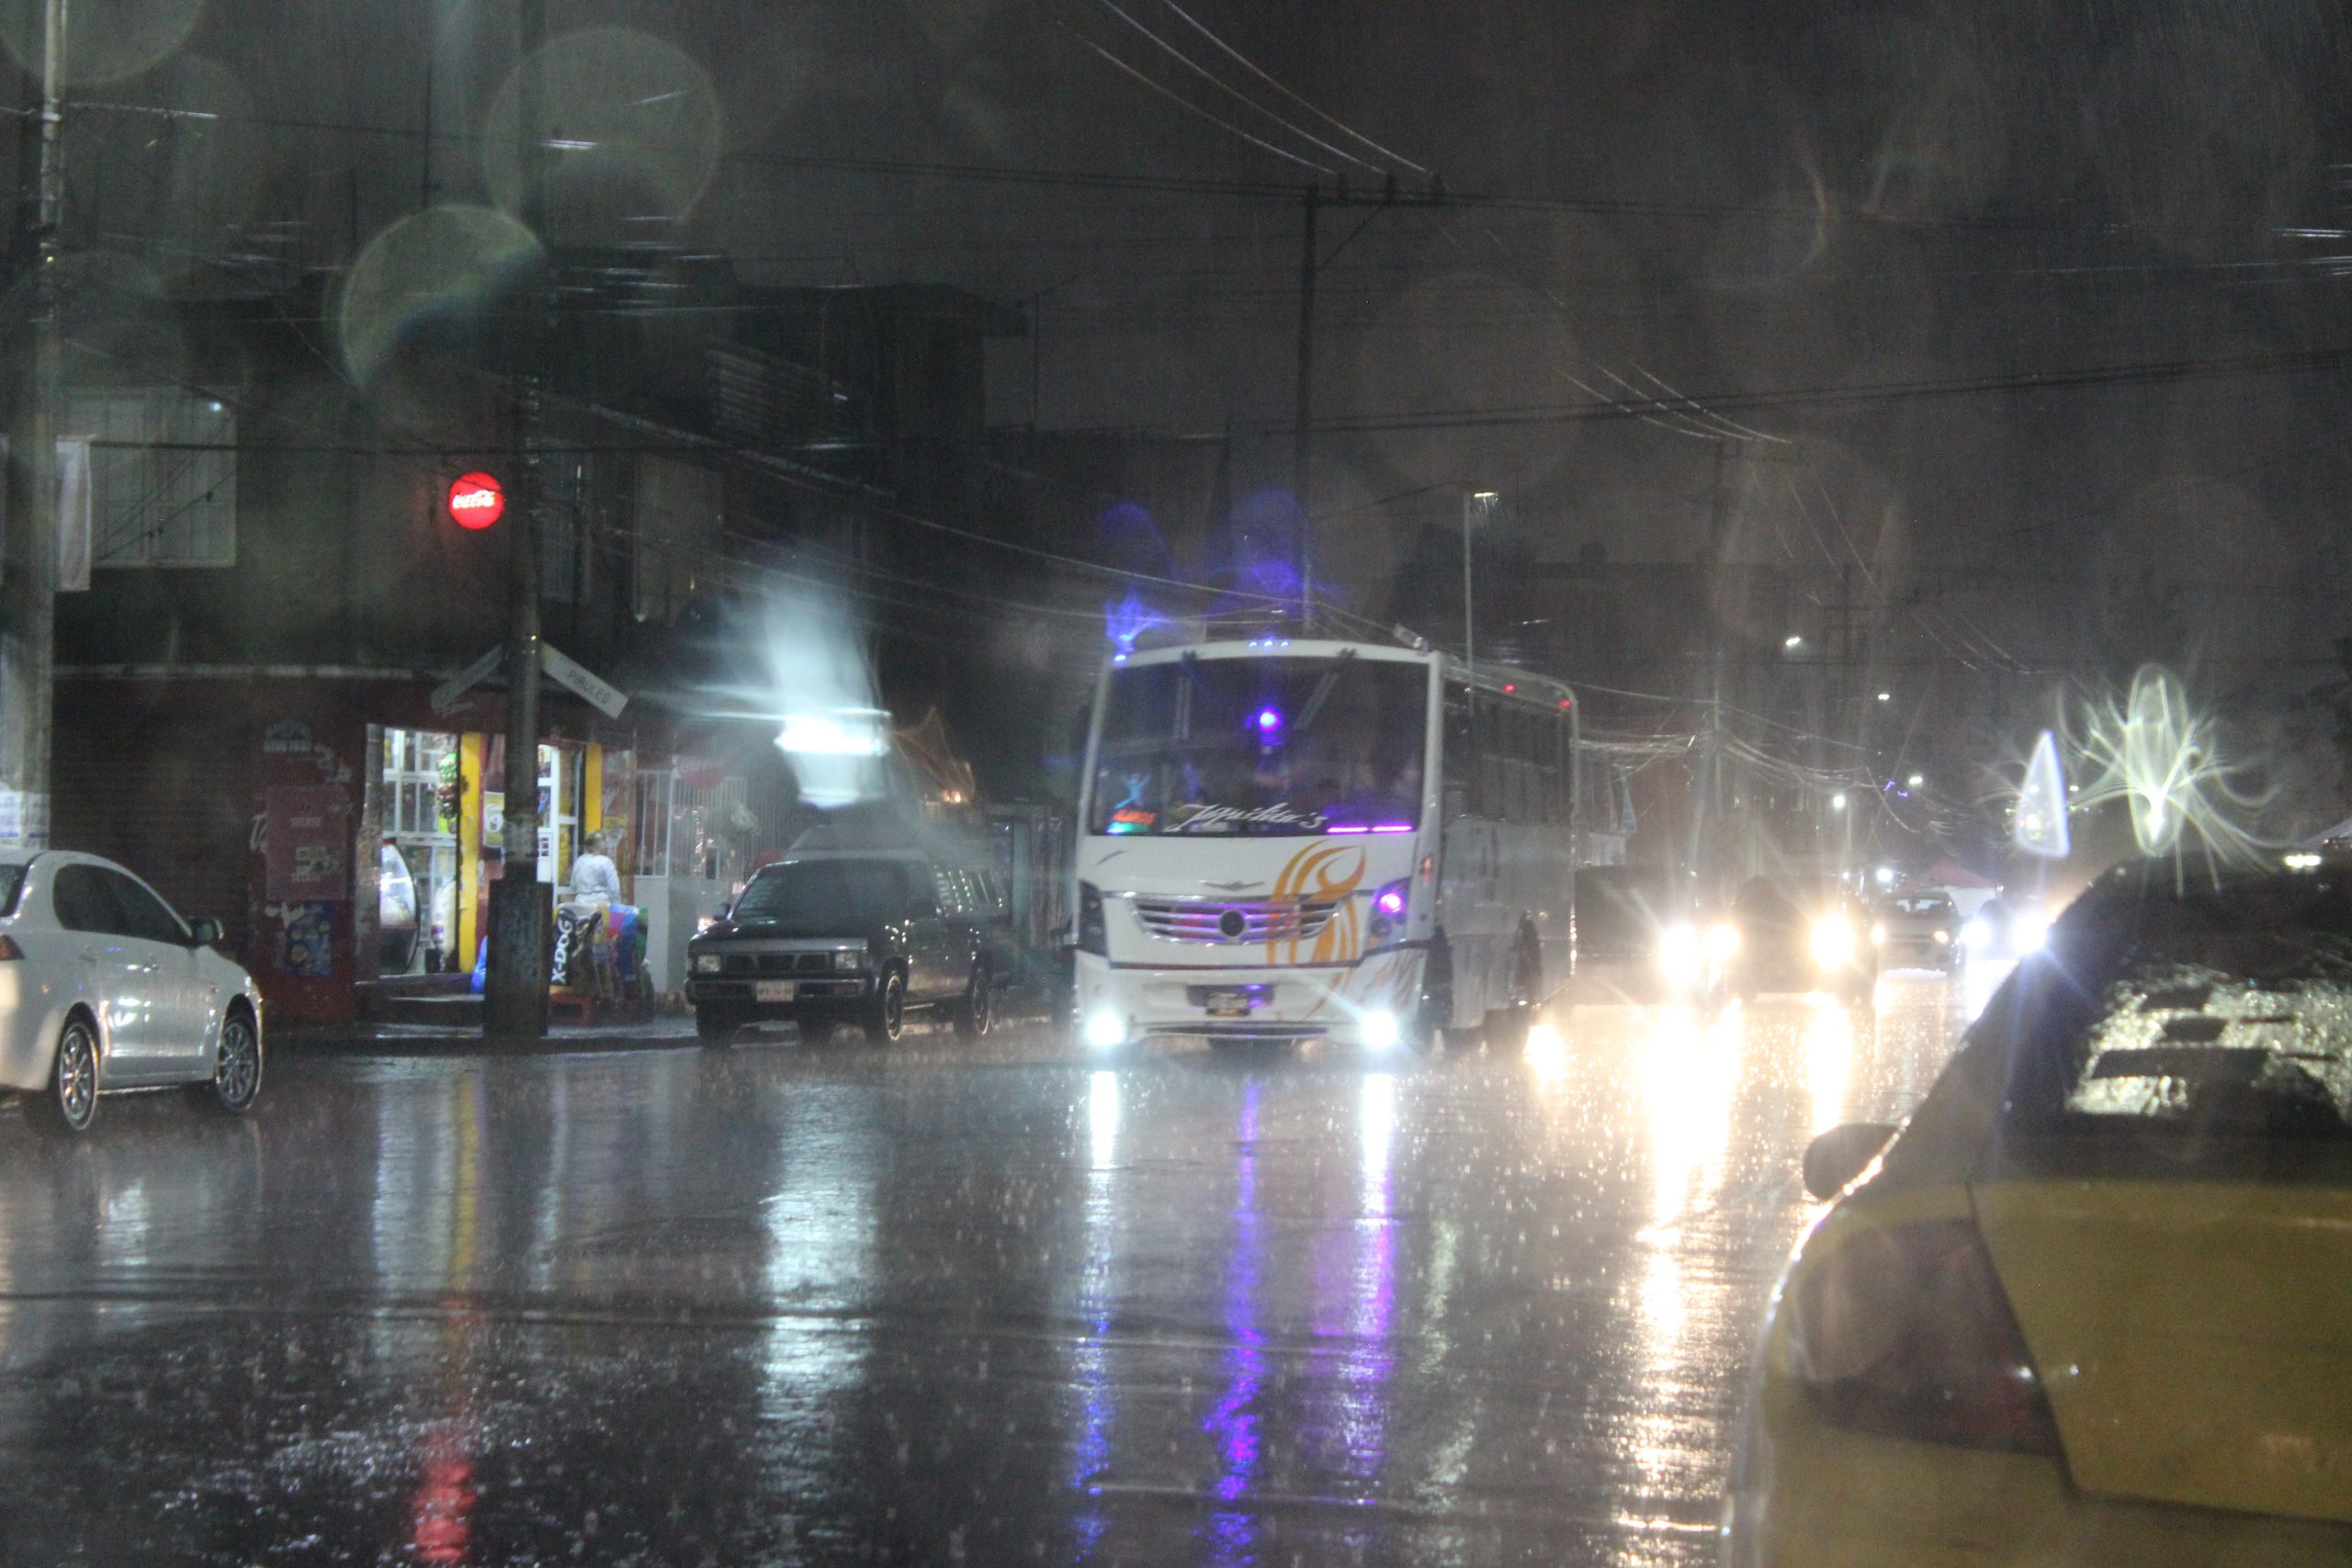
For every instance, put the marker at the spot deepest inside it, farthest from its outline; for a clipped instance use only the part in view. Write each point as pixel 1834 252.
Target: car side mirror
pixel 204 932
pixel 1843 1152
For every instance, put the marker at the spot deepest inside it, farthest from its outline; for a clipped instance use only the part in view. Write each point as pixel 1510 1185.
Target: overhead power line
pixel 1247 64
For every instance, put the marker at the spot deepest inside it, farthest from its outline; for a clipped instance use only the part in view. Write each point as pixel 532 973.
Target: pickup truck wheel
pixel 974 1014
pixel 886 1015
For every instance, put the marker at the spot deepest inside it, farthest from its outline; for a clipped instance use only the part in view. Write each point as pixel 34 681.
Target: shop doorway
pixel 418 887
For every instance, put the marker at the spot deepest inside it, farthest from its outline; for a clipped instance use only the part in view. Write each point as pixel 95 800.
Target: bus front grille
pixel 1232 923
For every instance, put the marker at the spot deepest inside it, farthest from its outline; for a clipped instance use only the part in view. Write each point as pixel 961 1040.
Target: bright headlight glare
pixel 1679 953
pixel 1833 941
pixel 1380 1031
pixel 1722 940
pixel 1943 939
pixel 707 963
pixel 2032 930
pixel 1105 1029
pixel 1878 935
pixel 848 957
pixel 1976 933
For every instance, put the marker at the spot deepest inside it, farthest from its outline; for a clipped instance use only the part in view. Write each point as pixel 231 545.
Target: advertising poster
pixel 310 842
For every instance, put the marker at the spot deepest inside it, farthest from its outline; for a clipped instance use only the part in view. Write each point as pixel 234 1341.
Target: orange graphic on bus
pixel 1313 877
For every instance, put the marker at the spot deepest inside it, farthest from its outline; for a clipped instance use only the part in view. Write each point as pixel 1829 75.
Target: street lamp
pixel 1477 507
pixel 1838 801
pixel 1792 640
pixel 1915 780
pixel 1886 696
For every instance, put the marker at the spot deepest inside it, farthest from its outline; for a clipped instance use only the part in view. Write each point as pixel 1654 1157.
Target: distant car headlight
pixel 1832 942
pixel 849 958
pixel 1975 935
pixel 1877 936
pixel 1722 942
pixel 708 963
pixel 1680 955
pixel 1943 938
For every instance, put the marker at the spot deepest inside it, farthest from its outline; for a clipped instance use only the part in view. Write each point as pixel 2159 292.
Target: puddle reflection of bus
pixel 1294 839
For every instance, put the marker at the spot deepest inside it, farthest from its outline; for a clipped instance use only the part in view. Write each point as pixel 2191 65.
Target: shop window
pixel 163 477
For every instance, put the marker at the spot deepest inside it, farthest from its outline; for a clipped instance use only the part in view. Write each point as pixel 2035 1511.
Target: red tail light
pixel 9 950
pixel 1906 1331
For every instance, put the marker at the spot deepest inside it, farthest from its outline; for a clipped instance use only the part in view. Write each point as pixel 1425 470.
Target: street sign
pixel 476 501
pixel 446 694
pixel 575 677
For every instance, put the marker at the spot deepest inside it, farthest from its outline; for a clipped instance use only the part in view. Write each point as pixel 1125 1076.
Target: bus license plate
pixel 771 990
pixel 1228 1004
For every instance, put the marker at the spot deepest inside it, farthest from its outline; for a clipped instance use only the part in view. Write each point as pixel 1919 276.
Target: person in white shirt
pixel 594 878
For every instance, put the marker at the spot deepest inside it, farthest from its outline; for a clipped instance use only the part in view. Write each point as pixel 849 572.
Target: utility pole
pixel 515 993
pixel 1302 457
pixel 29 552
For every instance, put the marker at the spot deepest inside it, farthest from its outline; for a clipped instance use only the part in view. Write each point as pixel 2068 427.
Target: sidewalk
pixel 387 1039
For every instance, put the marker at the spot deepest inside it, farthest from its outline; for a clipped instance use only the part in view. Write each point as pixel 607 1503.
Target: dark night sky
pixel 1750 200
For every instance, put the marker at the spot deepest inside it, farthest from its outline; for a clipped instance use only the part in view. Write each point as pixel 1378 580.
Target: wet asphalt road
pixel 935 1304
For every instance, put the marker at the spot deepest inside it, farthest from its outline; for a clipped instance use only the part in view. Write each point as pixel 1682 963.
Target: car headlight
pixel 849 958
pixel 1832 942
pixel 1105 1029
pixel 1878 935
pixel 1976 933
pixel 1943 938
pixel 1680 953
pixel 708 963
pixel 2029 931
pixel 1723 942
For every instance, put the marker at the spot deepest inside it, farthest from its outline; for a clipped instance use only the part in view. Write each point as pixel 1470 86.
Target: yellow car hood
pixel 2195 1338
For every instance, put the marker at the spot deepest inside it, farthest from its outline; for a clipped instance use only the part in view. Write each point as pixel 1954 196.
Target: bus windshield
pixel 1266 747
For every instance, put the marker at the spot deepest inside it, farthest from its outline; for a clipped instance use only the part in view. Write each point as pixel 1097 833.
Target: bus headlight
pixel 1105 1029
pixel 1093 937
pixel 1832 942
pixel 1380 1031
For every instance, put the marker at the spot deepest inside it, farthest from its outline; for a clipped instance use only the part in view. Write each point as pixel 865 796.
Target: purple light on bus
pixel 1390 902
pixel 1392 827
pixel 1269 720
pixel 1348 828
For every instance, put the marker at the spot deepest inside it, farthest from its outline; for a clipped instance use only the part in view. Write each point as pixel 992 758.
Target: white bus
pixel 1285 838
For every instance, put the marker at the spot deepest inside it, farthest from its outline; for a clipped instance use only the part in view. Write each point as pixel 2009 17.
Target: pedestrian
pixel 594 878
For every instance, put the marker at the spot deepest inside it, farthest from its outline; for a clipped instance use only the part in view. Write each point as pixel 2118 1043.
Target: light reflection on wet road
pixel 938 1304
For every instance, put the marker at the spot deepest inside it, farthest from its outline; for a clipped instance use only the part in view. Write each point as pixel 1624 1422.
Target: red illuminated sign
pixel 476 501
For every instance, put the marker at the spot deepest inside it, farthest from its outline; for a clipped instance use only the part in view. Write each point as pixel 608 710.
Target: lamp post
pixel 1477 507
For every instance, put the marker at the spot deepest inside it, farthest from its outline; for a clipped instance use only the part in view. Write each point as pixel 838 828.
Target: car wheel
pixel 886 1015
pixel 70 1102
pixel 976 1014
pixel 717 1025
pixel 236 1067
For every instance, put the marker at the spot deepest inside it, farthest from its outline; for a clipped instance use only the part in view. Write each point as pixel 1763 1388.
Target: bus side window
pixel 1461 756
pixel 1492 802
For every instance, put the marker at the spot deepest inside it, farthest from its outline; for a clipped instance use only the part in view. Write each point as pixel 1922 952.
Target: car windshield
pixel 1261 747
pixel 12 886
pixel 1932 907
pixel 849 893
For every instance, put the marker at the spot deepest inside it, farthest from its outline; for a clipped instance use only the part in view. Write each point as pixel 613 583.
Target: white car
pixel 103 988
